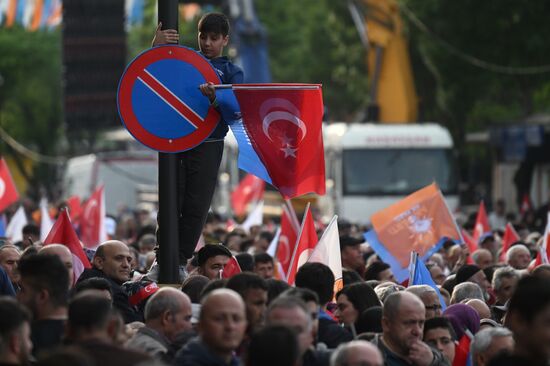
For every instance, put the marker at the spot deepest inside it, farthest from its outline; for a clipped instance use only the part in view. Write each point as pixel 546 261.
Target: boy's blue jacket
pixel 229 74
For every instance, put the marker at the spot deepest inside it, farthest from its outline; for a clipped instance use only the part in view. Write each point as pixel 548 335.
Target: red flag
pixel 284 126
pixel 8 191
pixel 231 268
pixel 472 247
pixel 525 205
pixel 92 221
pixel 462 352
pixel 75 208
pixel 482 224
pixel 288 237
pixel 62 232
pixel 249 190
pixel 509 238
pixel 418 223
pixel 307 240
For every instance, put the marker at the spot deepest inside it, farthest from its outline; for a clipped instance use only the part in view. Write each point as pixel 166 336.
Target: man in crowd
pixel 528 317
pixel 253 290
pixel 491 342
pixel 356 353
pixel 350 252
pixel 44 291
pixel 430 299
pixel 212 259
pixel 167 314
pixel 505 280
pixel 482 258
pixel 263 265
pixel 221 327
pixel 112 262
pixel 15 331
pixel 439 333
pixel 466 290
pixel 379 271
pixel 518 257
pixel 9 256
pixel 65 255
pixel 320 279
pixel 472 273
pixel 93 327
pixel 401 342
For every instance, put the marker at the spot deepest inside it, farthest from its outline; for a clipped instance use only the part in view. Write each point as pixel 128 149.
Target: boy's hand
pixel 166 36
pixel 208 91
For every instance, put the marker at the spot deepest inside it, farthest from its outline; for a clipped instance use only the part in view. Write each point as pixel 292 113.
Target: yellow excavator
pixel 392 97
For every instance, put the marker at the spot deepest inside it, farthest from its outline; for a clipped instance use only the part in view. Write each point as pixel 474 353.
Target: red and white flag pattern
pixel 92 222
pixel 307 240
pixel 250 189
pixel 8 191
pixel 290 226
pixel 482 223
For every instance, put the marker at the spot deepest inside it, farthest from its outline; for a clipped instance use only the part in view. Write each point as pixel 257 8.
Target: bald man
pixel 167 315
pixel 112 262
pixel 356 353
pixel 401 342
pixel 222 326
pixel 65 255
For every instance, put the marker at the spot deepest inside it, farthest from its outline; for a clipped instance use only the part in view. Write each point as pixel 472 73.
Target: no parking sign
pixel 160 103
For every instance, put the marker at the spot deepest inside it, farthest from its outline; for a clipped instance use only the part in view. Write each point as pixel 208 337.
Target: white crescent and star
pixel 285 111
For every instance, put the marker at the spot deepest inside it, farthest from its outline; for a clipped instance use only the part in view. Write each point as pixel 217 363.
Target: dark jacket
pixel 331 333
pixel 120 298
pixel 196 353
pixel 391 359
pixel 229 74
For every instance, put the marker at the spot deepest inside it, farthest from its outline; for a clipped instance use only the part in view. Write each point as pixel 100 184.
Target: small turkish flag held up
pixel 284 125
pixel 92 221
pixel 62 232
pixel 250 189
pixel 290 226
pixel 482 223
pixel 75 208
pixel 8 191
pixel 509 238
pixel 231 268
pixel 307 240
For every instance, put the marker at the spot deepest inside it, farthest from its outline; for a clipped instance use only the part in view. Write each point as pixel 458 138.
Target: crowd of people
pixel 116 313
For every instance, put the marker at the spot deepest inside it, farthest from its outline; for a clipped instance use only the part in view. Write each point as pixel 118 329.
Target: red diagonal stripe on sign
pixel 170 98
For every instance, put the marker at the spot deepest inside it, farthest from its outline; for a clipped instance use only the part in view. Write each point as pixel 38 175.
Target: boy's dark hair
pixel 374 269
pixel 266 235
pixel 14 315
pixel 263 258
pixel 532 295
pixel 273 345
pixel 361 296
pixel 439 322
pixel 46 272
pixel 303 293
pixel 89 312
pixel 275 288
pixel 246 262
pixel 30 229
pixel 318 278
pixel 214 23
pixel 93 283
pixel 242 282
pixel 209 251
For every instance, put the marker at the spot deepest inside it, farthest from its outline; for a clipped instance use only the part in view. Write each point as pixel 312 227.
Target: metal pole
pixel 168 258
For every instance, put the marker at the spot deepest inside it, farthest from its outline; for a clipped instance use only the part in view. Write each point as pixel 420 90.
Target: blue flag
pixel 2 225
pixel 423 277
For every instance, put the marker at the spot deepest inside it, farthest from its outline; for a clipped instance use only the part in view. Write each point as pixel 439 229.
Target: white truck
pixel 371 166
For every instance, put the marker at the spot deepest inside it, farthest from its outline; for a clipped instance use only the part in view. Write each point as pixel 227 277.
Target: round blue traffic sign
pixel 159 100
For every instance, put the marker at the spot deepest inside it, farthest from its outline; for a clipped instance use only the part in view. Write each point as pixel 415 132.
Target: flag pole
pixel 298 239
pixel 266 87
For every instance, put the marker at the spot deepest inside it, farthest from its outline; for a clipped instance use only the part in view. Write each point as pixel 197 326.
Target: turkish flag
pixel 462 352
pixel 307 240
pixel 8 191
pixel 75 208
pixel 92 220
pixel 525 204
pixel 250 189
pixel 231 268
pixel 288 236
pixel 509 238
pixel 482 224
pixel 284 125
pixel 62 232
